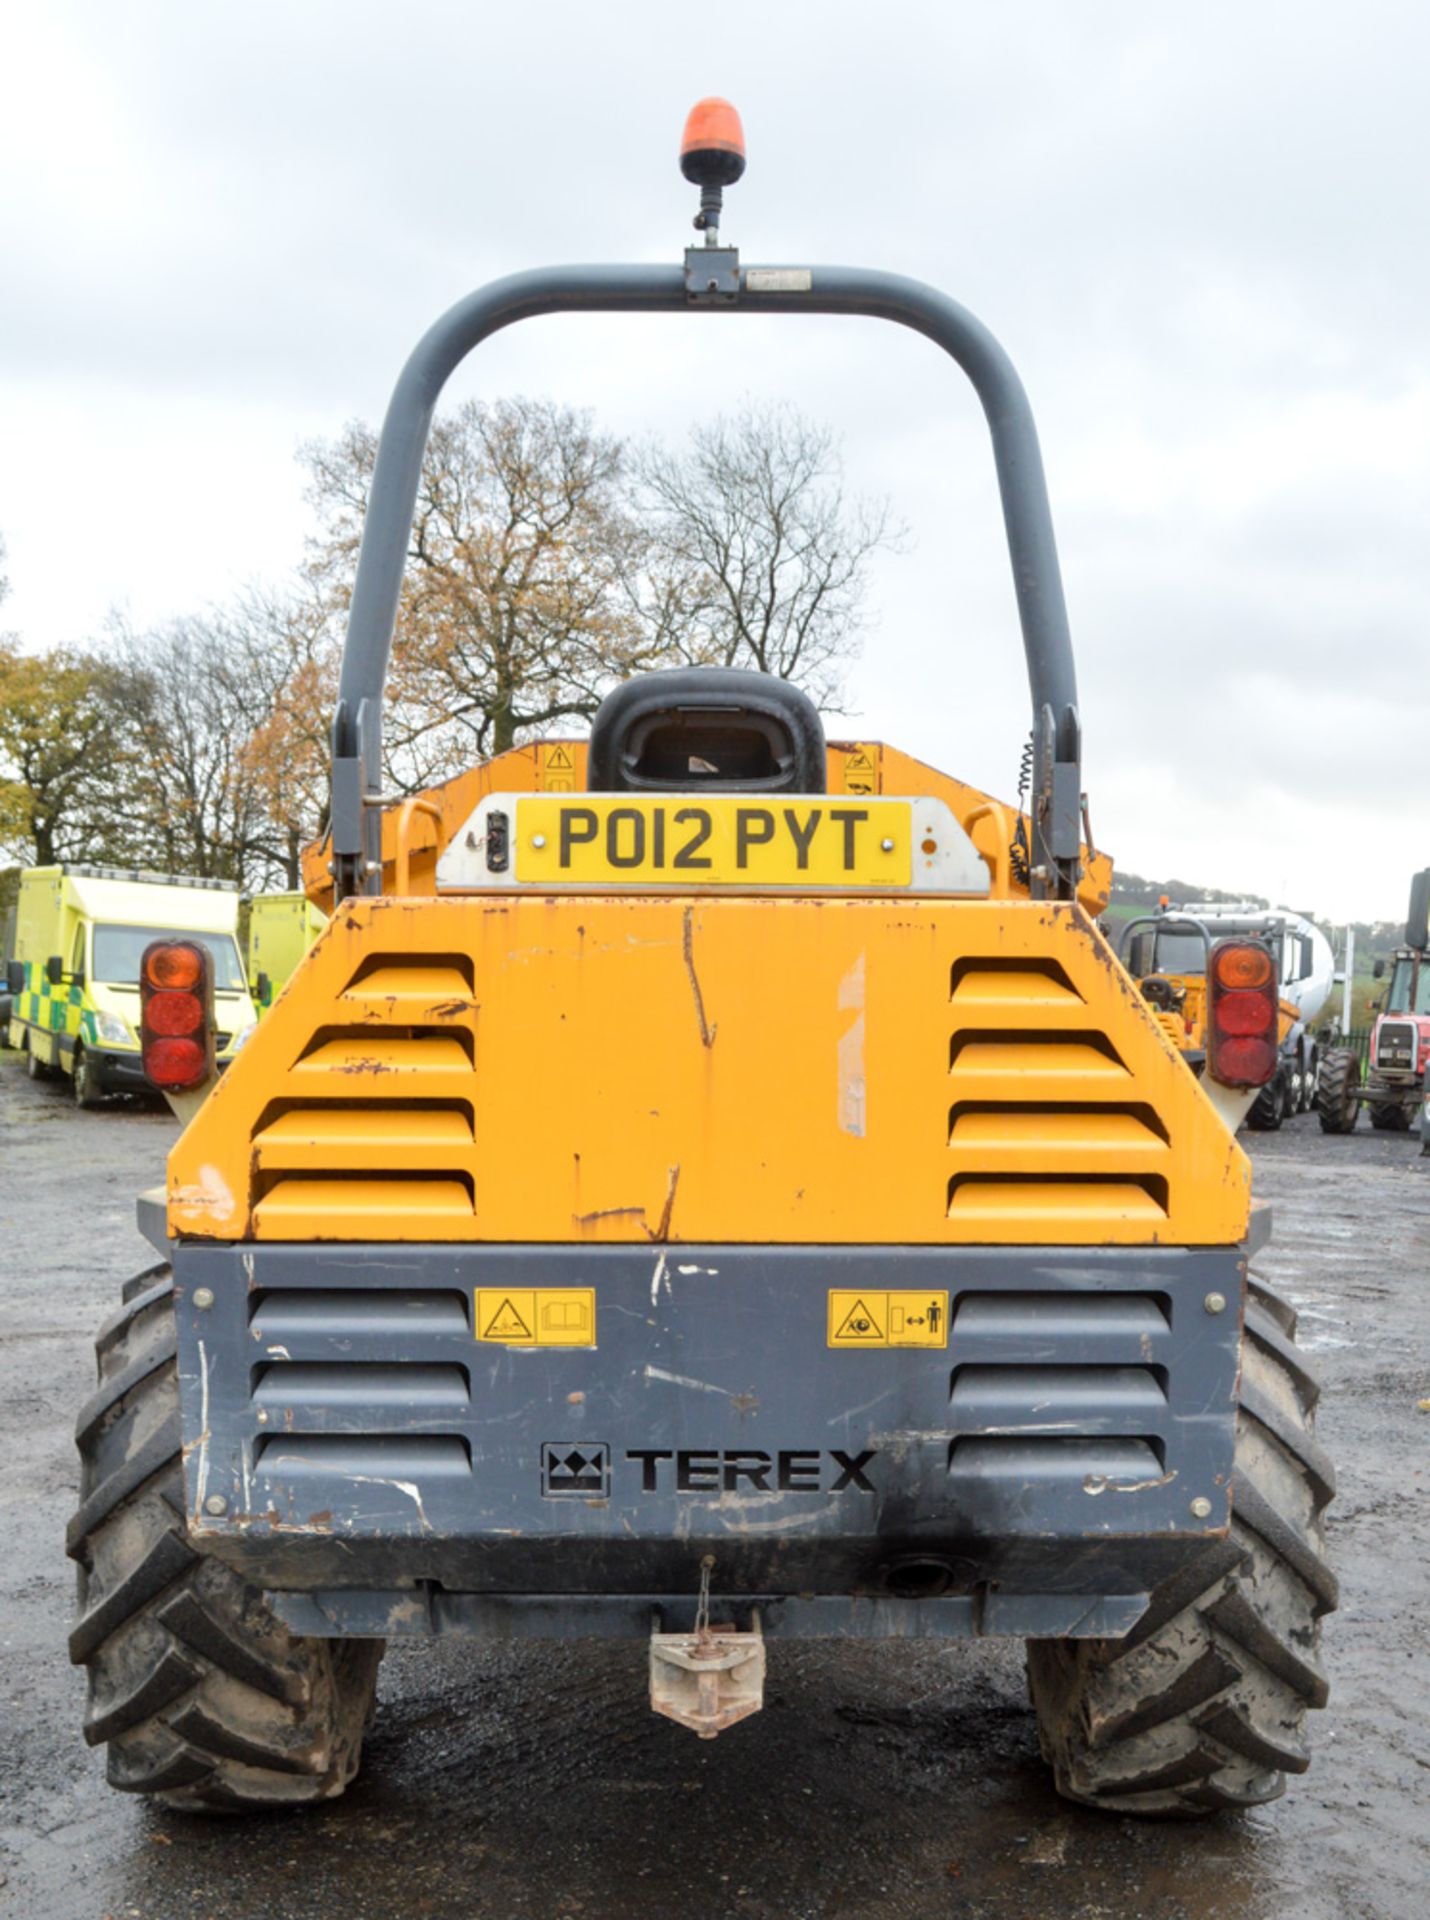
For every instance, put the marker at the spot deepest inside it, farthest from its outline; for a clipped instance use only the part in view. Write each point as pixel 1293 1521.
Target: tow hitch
pixel 708 1679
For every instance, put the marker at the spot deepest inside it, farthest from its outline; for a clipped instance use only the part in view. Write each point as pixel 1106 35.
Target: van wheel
pixel 1203 1705
pixel 85 1081
pixel 201 1694
pixel 35 1068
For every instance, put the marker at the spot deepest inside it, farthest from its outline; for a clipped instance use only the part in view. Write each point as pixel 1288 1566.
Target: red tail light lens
pixel 176 1064
pixel 176 1031
pixel 1245 1013
pixel 174 1013
pixel 1244 1062
pixel 1242 1033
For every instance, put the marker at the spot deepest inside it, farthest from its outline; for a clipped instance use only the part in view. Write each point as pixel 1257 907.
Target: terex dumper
pixel 705 1194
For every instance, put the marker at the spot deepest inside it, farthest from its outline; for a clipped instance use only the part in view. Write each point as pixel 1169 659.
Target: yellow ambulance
pixel 281 928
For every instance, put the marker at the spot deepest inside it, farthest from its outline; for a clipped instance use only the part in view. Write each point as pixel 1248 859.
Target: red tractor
pixel 1399 1041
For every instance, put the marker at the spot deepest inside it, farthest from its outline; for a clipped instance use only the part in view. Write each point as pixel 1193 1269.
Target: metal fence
pixel 1358 1042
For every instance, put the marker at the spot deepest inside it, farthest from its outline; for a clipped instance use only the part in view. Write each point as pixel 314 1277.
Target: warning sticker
pixel 861 768
pixel 871 1318
pixel 537 1316
pixel 558 769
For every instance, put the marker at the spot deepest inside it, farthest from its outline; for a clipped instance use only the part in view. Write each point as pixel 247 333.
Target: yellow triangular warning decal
pixel 507 1324
pixel 860 1323
pixel 559 759
pixel 858 762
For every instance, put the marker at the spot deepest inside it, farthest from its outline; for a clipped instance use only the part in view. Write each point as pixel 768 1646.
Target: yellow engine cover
pixel 713 1069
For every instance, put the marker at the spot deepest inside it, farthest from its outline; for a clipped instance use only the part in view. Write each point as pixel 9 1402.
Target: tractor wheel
pixel 203 1696
pixel 1390 1116
pixel 1337 1088
pixel 1272 1104
pixel 84 1084
pixel 1203 1705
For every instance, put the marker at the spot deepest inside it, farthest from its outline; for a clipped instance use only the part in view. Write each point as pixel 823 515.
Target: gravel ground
pixel 901 1780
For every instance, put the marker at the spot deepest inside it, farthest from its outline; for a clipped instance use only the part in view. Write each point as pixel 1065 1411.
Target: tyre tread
pixel 194 1626
pixel 166 1560
pixel 1339 1074
pixel 1267 1335
pixel 167 1681
pixel 202 1696
pixel 157 1452
pixel 1201 1708
pixel 111 1391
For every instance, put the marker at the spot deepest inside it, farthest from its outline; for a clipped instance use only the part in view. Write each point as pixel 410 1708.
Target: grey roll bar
pixel 711 281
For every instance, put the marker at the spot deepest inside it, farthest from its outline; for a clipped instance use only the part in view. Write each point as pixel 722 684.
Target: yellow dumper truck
pixel 73 978
pixel 702 1185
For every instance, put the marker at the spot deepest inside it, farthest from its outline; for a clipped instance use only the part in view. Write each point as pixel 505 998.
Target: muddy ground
pixel 880 1782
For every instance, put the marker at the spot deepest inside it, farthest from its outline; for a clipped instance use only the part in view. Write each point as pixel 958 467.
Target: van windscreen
pixel 118 951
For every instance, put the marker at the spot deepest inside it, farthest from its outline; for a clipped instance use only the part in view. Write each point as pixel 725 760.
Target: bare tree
pixel 228 712
pixel 544 566
pixel 185 810
pixel 516 611
pixel 763 555
pixel 288 650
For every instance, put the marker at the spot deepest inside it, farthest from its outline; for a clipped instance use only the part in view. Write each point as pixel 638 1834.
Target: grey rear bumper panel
pixel 351 1445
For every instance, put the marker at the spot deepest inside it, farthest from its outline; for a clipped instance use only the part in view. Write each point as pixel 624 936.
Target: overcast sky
pixel 1200 231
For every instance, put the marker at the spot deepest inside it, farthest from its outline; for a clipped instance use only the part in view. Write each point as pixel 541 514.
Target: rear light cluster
pixel 1243 1037
pixel 176 1033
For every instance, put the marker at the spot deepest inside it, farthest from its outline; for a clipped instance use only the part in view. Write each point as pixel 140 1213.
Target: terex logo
pixel 726 1471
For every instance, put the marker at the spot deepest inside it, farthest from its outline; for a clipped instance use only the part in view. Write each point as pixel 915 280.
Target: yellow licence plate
pixel 721 840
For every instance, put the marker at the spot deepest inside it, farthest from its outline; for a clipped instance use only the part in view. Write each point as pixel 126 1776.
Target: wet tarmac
pixel 897 1780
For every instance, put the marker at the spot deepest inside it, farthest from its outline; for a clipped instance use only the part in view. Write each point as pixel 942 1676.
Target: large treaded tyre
pixel 204 1698
pixel 1337 1086
pixel 1272 1104
pixel 1203 1705
pixel 1388 1116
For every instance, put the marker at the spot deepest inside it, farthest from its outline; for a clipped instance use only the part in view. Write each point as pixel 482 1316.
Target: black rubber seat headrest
pixel 706 727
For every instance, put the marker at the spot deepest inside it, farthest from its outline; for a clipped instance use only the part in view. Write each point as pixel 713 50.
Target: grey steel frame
pixel 711 281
